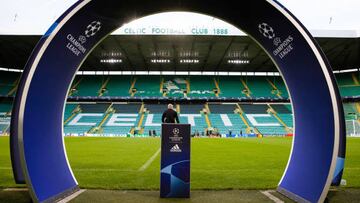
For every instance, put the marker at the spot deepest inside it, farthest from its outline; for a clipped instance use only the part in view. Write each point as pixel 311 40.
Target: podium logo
pixel 175 148
pixel 176 132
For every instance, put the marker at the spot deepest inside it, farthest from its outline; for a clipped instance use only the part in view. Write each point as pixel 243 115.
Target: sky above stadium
pixel 35 16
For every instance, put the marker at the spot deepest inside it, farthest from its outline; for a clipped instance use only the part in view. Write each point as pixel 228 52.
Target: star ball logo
pixel 176 138
pixel 76 45
pixel 266 30
pixel 283 47
pixel 176 132
pixel 92 29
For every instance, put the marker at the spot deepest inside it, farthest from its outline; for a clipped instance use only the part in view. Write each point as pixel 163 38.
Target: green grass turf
pixel 113 163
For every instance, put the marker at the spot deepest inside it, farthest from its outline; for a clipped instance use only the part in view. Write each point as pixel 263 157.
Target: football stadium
pixel 267 96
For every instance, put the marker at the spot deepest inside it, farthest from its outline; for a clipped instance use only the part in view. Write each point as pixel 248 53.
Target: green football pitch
pixel 216 164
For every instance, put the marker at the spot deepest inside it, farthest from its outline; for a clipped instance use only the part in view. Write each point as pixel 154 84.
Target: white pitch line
pixel 15 189
pixel 148 162
pixel 272 197
pixel 73 196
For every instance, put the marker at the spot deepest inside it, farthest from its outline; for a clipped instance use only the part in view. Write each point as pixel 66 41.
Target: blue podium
pixel 175 161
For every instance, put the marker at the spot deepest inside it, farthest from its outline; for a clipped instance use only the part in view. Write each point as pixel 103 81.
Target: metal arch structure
pixel 37 143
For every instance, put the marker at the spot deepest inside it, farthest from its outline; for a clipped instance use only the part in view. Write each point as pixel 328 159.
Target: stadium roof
pixel 198 53
pixel 197 43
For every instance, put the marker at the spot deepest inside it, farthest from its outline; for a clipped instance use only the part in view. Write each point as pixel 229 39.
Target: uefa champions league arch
pixel 38 152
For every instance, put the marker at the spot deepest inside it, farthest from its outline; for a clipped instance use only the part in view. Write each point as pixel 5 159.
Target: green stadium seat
pixel 148 86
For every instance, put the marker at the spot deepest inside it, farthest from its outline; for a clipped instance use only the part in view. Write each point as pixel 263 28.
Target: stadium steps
pixel 98 129
pixel 274 113
pixel 162 87
pixel 15 86
pixel 208 122
pixel 178 108
pixel 206 115
pixel 358 110
pixel 244 119
pixel 241 114
pixel 139 125
pixel 358 107
pixel 75 86
pixel 188 87
pixel 356 80
pixel 6 130
pixel 280 84
pixel 132 87
pixel 207 108
pixel 247 92
pixel 259 87
pixel 74 112
pixel 217 87
pixel 275 91
pixel 103 86
pixel 141 120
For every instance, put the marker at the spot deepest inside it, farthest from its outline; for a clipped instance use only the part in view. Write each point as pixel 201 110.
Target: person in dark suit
pixel 170 115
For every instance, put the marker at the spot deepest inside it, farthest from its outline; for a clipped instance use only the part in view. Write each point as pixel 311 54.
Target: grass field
pixel 114 163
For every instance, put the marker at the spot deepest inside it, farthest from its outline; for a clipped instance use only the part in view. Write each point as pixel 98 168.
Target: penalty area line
pixel 272 197
pixel 149 161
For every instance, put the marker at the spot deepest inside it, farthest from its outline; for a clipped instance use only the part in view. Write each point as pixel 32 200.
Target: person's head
pixel 170 106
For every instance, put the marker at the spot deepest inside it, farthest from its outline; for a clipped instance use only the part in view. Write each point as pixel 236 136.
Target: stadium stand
pixel 231 87
pixel 278 87
pixel 117 86
pixel 200 87
pixel 126 108
pixel 284 112
pixel 8 83
pixel 88 117
pixel 94 108
pixel 349 84
pixel 87 86
pixel 174 86
pixel 267 120
pixel 121 119
pixel 5 109
pixel 153 118
pixel 70 111
pixel 147 86
pixel 197 86
pixel 259 87
pixel 224 119
pixel 109 118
